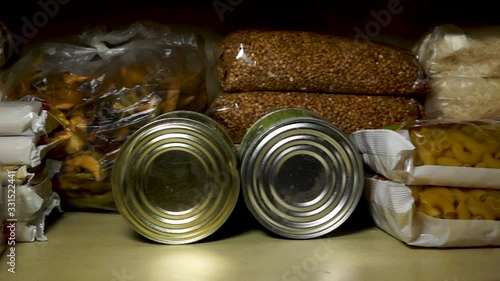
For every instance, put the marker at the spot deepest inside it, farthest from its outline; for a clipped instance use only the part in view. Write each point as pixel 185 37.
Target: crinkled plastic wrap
pixel 435 152
pixel 237 112
pixel 34 199
pixel 452 50
pixel 432 216
pixel 463 66
pixel 464 98
pixel 108 84
pixel 271 60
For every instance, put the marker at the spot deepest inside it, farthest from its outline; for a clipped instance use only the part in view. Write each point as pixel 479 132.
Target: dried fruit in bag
pixel 108 83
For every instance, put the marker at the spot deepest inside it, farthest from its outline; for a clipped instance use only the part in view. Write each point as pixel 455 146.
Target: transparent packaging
pixel 238 111
pixel 284 60
pixel 435 152
pixel 435 216
pixel 463 67
pixel 107 83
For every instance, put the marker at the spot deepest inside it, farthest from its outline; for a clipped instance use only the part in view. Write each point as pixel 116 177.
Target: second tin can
pixel 176 179
pixel 301 176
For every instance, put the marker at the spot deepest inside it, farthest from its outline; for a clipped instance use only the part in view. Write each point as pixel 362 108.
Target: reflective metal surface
pixel 301 176
pixel 176 179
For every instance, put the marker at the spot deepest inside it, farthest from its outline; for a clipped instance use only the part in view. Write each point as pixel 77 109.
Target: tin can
pixel 176 179
pixel 301 176
pixel 6 44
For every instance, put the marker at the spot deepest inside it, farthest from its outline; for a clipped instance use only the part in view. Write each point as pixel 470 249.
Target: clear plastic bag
pixel 435 152
pixel 108 84
pixel 434 216
pixel 456 51
pixel 270 60
pixel 463 98
pixel 236 112
pixel 463 66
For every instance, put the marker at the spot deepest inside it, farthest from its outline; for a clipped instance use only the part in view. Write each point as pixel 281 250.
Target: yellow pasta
pixel 466 153
pixel 415 191
pixel 459 195
pixel 495 209
pixel 448 161
pixel 491 162
pixel 481 165
pixel 448 153
pixel 476 194
pixel 426 157
pixel 457 203
pixel 463 211
pixel 480 211
pixel 470 145
pixel 429 210
pixel 440 198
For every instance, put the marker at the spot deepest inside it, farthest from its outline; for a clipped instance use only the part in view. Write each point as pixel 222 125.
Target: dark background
pixel 339 17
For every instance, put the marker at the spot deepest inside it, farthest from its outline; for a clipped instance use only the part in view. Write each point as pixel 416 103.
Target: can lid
pixel 302 177
pixel 176 179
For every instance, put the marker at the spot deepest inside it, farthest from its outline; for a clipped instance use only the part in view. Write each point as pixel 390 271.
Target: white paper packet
pixel 391 154
pixel 24 150
pixel 393 210
pixel 33 202
pixel 22 118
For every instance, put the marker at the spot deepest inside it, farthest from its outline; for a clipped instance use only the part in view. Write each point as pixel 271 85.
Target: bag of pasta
pixel 108 84
pixel 435 216
pixel 435 152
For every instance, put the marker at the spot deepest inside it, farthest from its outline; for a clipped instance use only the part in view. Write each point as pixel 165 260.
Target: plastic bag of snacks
pixel 435 152
pixel 435 216
pixel 108 84
pixel 31 191
pixel 238 111
pixel 283 60
pixel 463 65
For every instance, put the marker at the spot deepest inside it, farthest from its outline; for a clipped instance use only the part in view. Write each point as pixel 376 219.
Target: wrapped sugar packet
pixel 34 200
pixel 29 117
pixel 25 150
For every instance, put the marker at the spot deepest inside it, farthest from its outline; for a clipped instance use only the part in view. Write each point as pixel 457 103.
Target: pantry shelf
pixel 92 246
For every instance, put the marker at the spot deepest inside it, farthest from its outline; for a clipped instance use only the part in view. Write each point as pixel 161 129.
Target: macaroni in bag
pixel 435 216
pixel 435 152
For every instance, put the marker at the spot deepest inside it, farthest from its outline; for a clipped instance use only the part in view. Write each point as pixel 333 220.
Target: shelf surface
pixel 102 246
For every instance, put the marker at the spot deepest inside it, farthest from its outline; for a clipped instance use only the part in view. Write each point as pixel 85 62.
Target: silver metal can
pixel 301 176
pixel 176 179
pixel 6 44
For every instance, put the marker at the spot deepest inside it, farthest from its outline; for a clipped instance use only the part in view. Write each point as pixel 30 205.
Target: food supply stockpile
pixel 355 84
pixel 107 83
pixel 26 194
pixel 463 66
pixel 435 183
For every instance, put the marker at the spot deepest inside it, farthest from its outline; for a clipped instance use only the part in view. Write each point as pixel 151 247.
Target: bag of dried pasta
pixel 435 216
pixel 108 83
pixel 435 152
